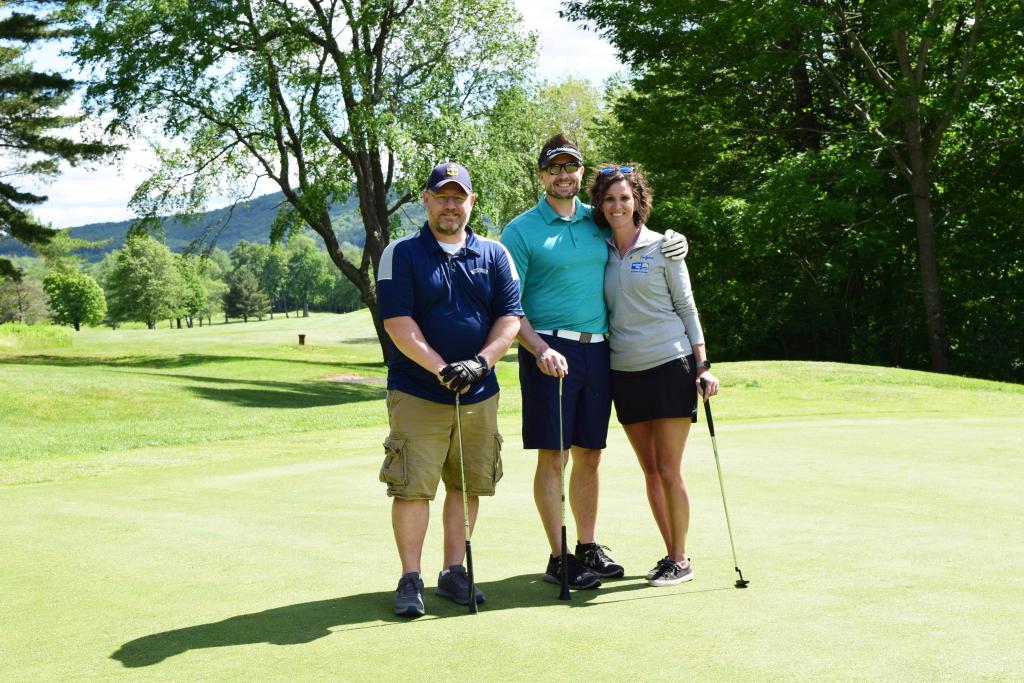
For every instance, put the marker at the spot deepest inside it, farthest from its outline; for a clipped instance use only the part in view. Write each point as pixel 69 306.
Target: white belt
pixel 581 337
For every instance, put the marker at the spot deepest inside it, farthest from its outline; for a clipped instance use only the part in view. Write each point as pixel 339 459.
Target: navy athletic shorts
pixel 667 390
pixel 586 397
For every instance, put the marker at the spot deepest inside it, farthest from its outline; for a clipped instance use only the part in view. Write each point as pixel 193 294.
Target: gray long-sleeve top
pixel 651 313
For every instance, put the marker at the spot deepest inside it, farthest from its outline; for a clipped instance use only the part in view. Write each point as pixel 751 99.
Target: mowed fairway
pixel 204 505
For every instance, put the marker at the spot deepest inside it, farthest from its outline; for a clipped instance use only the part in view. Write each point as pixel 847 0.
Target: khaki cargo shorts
pixel 423 447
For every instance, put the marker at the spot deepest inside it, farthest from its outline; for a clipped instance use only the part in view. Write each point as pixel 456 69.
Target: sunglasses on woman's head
pixel 612 169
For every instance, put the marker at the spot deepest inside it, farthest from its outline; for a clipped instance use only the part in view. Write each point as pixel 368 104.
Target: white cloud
pixel 101 193
pixel 566 49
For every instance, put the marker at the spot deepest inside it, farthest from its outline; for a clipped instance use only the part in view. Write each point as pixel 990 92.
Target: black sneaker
pixel 579 577
pixel 409 596
pixel 596 560
pixel 657 568
pixel 455 585
pixel 672 573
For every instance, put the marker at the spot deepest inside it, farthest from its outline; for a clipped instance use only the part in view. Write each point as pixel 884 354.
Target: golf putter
pixel 564 563
pixel 465 511
pixel 741 582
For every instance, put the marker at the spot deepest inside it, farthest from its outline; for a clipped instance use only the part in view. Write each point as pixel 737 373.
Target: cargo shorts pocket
pixel 393 471
pixel 498 441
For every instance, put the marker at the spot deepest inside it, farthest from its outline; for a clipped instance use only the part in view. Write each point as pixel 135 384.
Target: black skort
pixel 668 390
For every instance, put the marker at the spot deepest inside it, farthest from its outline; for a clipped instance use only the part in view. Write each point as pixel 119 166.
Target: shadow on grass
pixel 309 621
pixel 274 394
pixel 170 362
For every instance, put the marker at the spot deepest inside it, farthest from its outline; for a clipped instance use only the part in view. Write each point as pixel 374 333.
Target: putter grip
pixel 472 581
pixel 707 408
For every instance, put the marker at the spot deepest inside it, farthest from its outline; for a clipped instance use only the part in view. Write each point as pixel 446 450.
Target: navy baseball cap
pixel 449 172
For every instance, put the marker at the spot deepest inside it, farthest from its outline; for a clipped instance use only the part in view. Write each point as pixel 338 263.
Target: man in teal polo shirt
pixel 560 254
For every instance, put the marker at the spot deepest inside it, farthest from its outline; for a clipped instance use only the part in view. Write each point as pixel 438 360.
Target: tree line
pixel 145 282
pixel 849 174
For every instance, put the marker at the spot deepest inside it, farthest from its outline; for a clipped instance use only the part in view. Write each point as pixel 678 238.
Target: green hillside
pixel 226 227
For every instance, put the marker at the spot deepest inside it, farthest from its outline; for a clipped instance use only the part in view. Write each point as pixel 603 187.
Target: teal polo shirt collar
pixel 551 216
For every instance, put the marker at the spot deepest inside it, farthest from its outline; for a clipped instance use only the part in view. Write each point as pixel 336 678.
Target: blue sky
pixel 101 193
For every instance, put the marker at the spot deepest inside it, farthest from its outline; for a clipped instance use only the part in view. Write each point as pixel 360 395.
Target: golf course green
pixel 186 505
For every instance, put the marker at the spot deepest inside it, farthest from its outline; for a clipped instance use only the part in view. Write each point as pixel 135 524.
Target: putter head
pixel 741 583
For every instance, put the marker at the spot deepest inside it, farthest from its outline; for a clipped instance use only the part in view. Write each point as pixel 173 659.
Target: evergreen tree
pixel 75 298
pixel 22 300
pixel 31 121
pixel 244 297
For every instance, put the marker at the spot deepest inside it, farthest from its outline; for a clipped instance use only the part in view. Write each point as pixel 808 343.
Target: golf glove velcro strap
pixel 464 373
pixel 674 247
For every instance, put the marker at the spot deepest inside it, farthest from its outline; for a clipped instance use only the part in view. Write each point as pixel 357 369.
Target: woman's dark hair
pixel 607 175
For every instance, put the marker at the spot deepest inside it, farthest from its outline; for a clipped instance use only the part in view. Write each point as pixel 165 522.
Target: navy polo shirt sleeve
pixel 395 281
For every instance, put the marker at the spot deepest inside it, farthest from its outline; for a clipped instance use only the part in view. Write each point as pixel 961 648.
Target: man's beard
pixel 565 193
pixel 451 226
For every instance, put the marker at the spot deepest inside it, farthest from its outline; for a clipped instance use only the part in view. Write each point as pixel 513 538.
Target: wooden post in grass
pixel 302 340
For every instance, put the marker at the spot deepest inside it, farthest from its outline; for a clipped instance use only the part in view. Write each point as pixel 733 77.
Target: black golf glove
pixel 674 246
pixel 464 373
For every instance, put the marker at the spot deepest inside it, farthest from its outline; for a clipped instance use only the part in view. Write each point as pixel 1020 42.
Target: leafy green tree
pixel 145 284
pixel 211 273
pixel 244 298
pixel 33 124
pixel 75 298
pixel 193 294
pixel 509 141
pixel 326 99
pixel 273 276
pixel 341 295
pixel 307 272
pixel 821 157
pixel 23 300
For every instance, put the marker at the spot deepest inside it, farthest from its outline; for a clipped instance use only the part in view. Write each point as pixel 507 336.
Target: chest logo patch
pixel 640 266
pixel 478 271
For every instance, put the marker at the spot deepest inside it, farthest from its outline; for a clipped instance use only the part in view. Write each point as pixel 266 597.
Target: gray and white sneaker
pixel 672 573
pixel 409 596
pixel 454 584
pixel 657 568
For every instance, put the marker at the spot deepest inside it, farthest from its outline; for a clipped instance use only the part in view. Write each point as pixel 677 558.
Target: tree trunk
pixel 151 324
pixel 179 323
pixel 78 328
pixel 935 321
pixel 921 186
pixel 305 312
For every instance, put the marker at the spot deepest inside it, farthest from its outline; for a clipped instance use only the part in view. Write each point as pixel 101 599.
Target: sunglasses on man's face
pixel 569 167
pixel 621 169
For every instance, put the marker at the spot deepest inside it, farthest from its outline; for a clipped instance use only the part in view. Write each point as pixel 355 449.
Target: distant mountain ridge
pixel 249 221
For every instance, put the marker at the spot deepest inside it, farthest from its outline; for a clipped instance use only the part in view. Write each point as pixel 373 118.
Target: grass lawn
pixel 203 505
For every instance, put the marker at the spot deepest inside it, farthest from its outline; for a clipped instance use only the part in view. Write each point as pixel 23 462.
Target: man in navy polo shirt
pixel 450 304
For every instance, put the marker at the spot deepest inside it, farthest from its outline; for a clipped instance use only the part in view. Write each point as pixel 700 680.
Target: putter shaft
pixel 564 593
pixel 465 510
pixel 741 582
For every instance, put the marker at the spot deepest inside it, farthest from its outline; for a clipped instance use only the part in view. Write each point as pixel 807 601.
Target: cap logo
pixel 452 171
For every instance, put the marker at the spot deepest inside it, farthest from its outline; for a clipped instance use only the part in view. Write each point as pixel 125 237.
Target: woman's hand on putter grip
pixel 707 385
pixel 552 363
